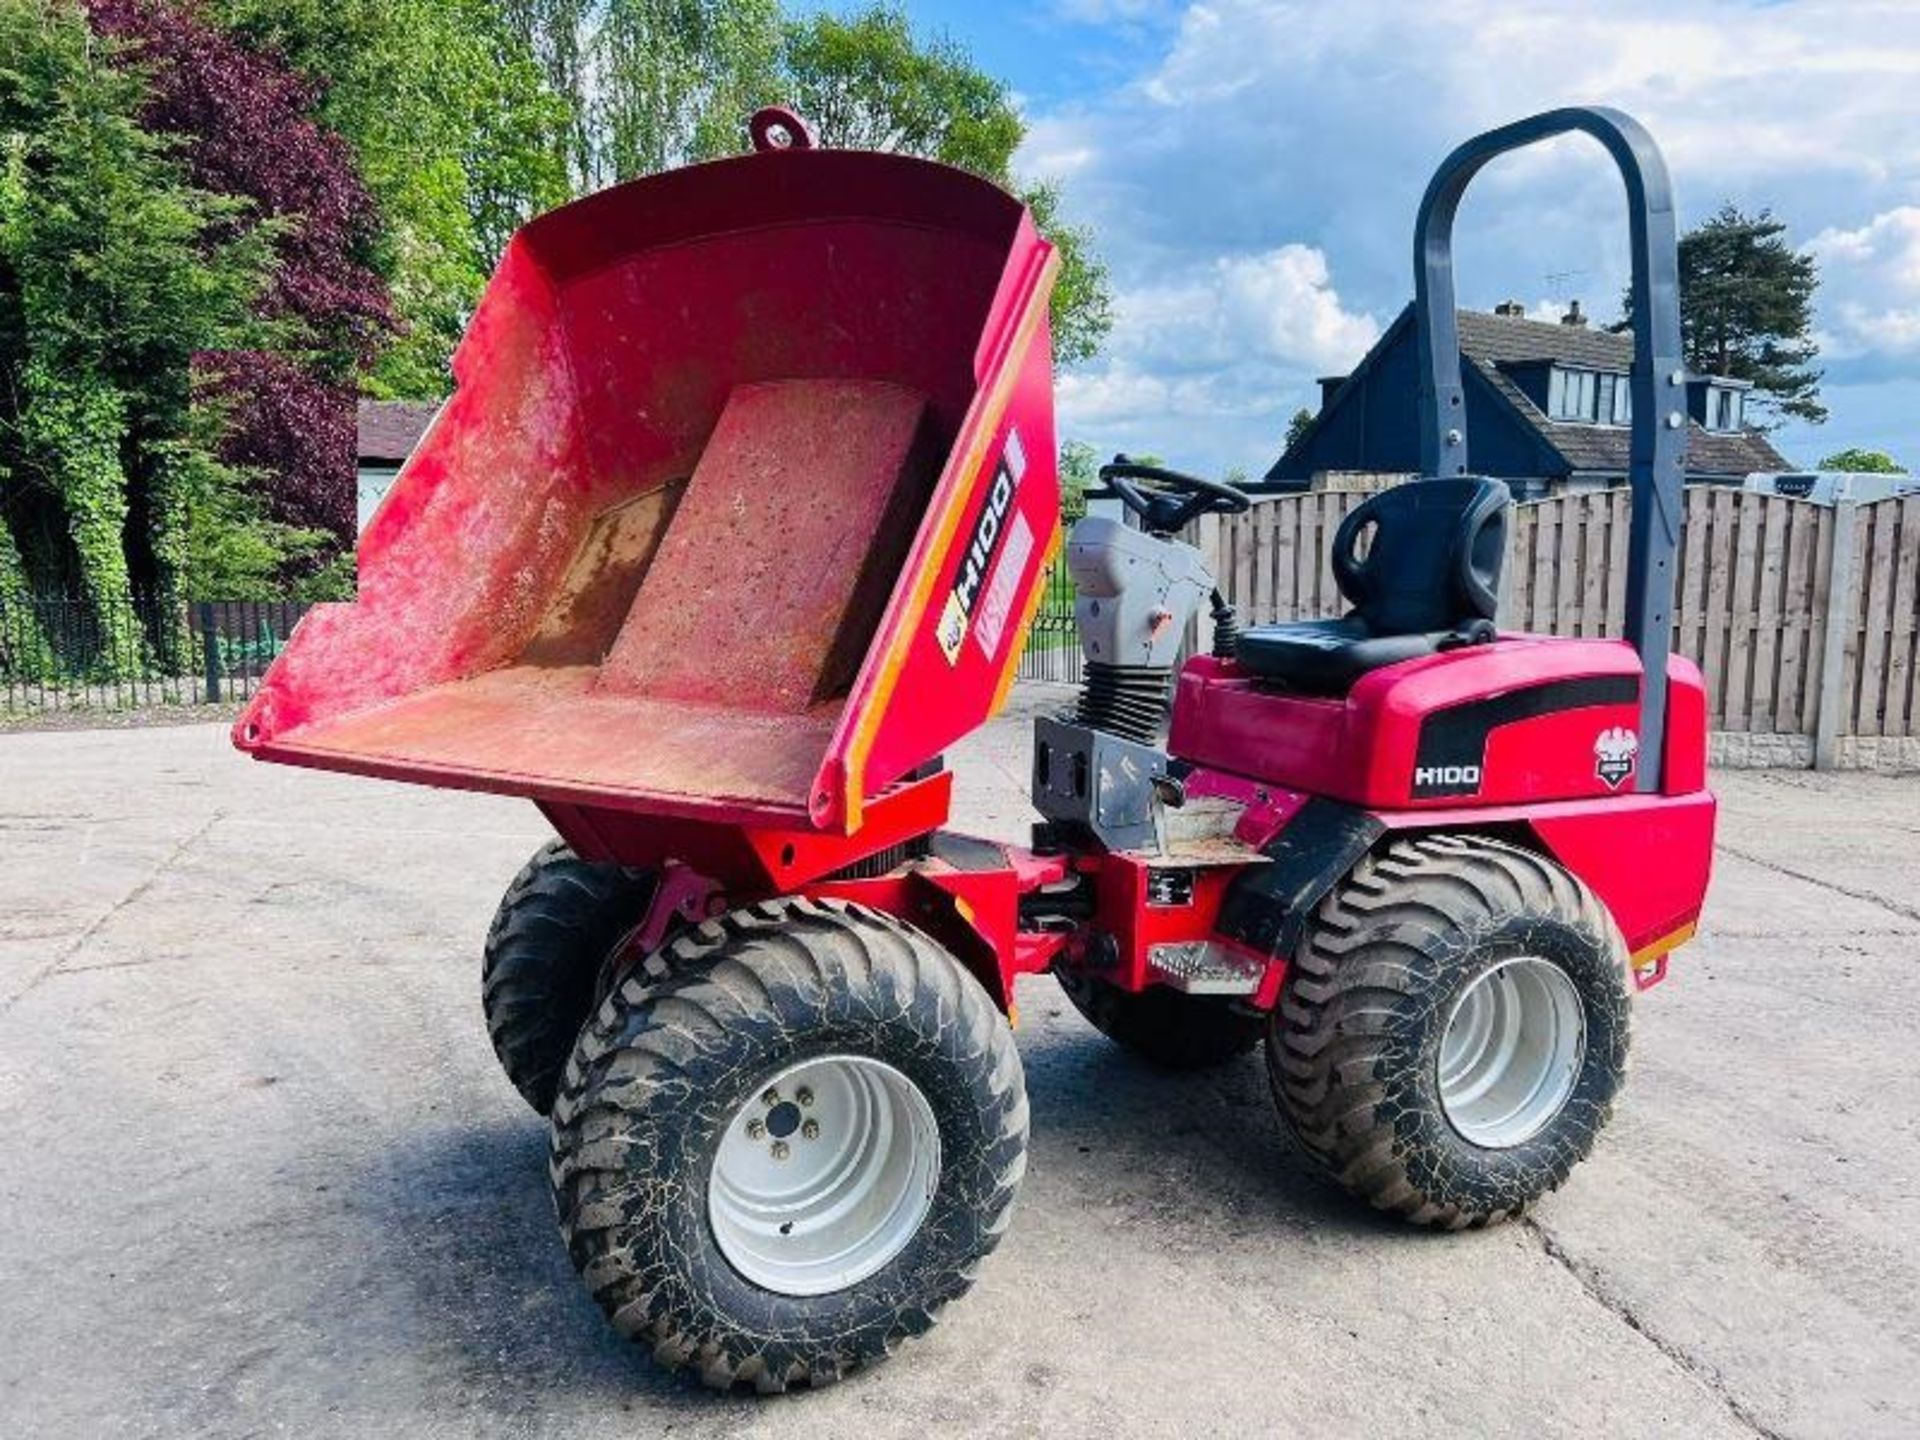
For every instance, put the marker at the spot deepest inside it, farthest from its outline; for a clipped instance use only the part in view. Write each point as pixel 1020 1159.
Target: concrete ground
pixel 259 1174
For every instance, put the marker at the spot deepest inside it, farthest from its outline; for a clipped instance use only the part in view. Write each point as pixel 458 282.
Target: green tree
pixel 114 274
pixel 1079 473
pixel 1301 422
pixel 1746 311
pixel 1863 462
pixel 676 79
pixel 471 116
pixel 458 135
pixel 866 81
pixel 650 84
pixel 655 83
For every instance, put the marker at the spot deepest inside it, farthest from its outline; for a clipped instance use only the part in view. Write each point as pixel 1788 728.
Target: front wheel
pixel 551 941
pixel 785 1159
pixel 1452 1035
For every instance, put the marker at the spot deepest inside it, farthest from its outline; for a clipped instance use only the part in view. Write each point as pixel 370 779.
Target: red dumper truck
pixel 737 519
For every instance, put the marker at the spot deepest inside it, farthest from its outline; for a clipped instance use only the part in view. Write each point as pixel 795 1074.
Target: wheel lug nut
pixel 810 1130
pixel 804 1096
pixel 771 1098
pixel 755 1130
pixel 779 1151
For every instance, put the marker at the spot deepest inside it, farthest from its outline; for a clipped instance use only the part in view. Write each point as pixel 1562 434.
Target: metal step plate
pixel 1200 967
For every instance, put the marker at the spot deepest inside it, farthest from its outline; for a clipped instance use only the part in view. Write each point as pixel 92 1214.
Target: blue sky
pixel 1250 171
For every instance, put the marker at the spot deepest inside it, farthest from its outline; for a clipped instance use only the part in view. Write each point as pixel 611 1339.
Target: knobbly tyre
pixel 737 519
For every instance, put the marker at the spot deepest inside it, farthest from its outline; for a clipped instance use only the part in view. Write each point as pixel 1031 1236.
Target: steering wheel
pixel 1173 500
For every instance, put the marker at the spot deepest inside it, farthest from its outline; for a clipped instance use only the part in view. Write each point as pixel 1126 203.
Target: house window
pixel 373 484
pixel 1571 394
pixel 1726 408
pixel 1582 386
pixel 1588 397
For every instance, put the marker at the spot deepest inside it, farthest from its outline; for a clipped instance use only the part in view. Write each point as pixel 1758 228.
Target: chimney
pixel 1511 310
pixel 1574 315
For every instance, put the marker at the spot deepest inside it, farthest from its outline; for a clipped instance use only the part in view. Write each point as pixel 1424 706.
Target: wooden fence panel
pixel 1875 617
pixel 1517 575
pixel 1770 622
pixel 1880 679
pixel 1279 598
pixel 1590 611
pixel 1752 593
pixel 1794 595
pixel 1618 530
pixel 1898 716
pixel 1742 618
pixel 1817 620
pixel 1546 566
pixel 1717 520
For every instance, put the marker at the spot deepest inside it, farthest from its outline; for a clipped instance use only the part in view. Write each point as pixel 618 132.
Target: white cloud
pixel 1214 345
pixel 1741 87
pixel 1295 127
pixel 1871 285
pixel 1278 306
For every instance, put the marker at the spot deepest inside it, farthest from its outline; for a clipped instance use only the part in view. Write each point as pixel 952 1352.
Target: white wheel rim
pixel 824 1175
pixel 1511 1052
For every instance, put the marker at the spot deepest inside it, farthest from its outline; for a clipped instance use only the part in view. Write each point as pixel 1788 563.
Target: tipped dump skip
pixel 675 537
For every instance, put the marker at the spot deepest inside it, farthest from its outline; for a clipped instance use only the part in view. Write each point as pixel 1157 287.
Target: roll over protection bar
pixel 1658 380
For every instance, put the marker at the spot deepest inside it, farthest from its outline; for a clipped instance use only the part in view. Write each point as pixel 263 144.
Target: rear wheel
pixel 783 1160
pixel 1165 1027
pixel 1451 1037
pixel 557 926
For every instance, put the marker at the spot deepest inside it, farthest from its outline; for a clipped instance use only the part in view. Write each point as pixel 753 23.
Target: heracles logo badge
pixel 1614 755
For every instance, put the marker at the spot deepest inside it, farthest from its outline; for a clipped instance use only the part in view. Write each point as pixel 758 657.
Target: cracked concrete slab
pixel 260 1174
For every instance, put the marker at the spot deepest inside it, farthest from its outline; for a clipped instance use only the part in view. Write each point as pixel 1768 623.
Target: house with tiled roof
pixel 388 431
pixel 1548 409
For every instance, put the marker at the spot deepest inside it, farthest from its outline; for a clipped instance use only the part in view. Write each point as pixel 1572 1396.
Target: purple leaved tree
pixel 247 126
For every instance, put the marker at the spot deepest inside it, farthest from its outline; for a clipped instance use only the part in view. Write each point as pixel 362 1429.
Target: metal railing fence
pixel 1053 644
pixel 72 653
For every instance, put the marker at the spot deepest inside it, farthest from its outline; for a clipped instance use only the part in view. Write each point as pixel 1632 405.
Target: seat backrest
pixel 1424 556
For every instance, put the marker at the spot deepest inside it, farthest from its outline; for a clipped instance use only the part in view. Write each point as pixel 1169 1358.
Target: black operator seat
pixel 1420 564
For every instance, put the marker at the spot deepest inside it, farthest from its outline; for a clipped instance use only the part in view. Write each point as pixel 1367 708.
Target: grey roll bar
pixel 1658 381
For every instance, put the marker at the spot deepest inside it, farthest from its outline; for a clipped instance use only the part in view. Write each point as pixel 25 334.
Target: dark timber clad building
pixel 1547 410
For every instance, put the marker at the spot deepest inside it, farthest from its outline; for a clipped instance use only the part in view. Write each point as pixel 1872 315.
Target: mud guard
pixel 1267 907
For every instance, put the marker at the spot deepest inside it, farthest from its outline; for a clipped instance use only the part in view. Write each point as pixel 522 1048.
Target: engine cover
pixel 1523 720
pixel 1134 592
